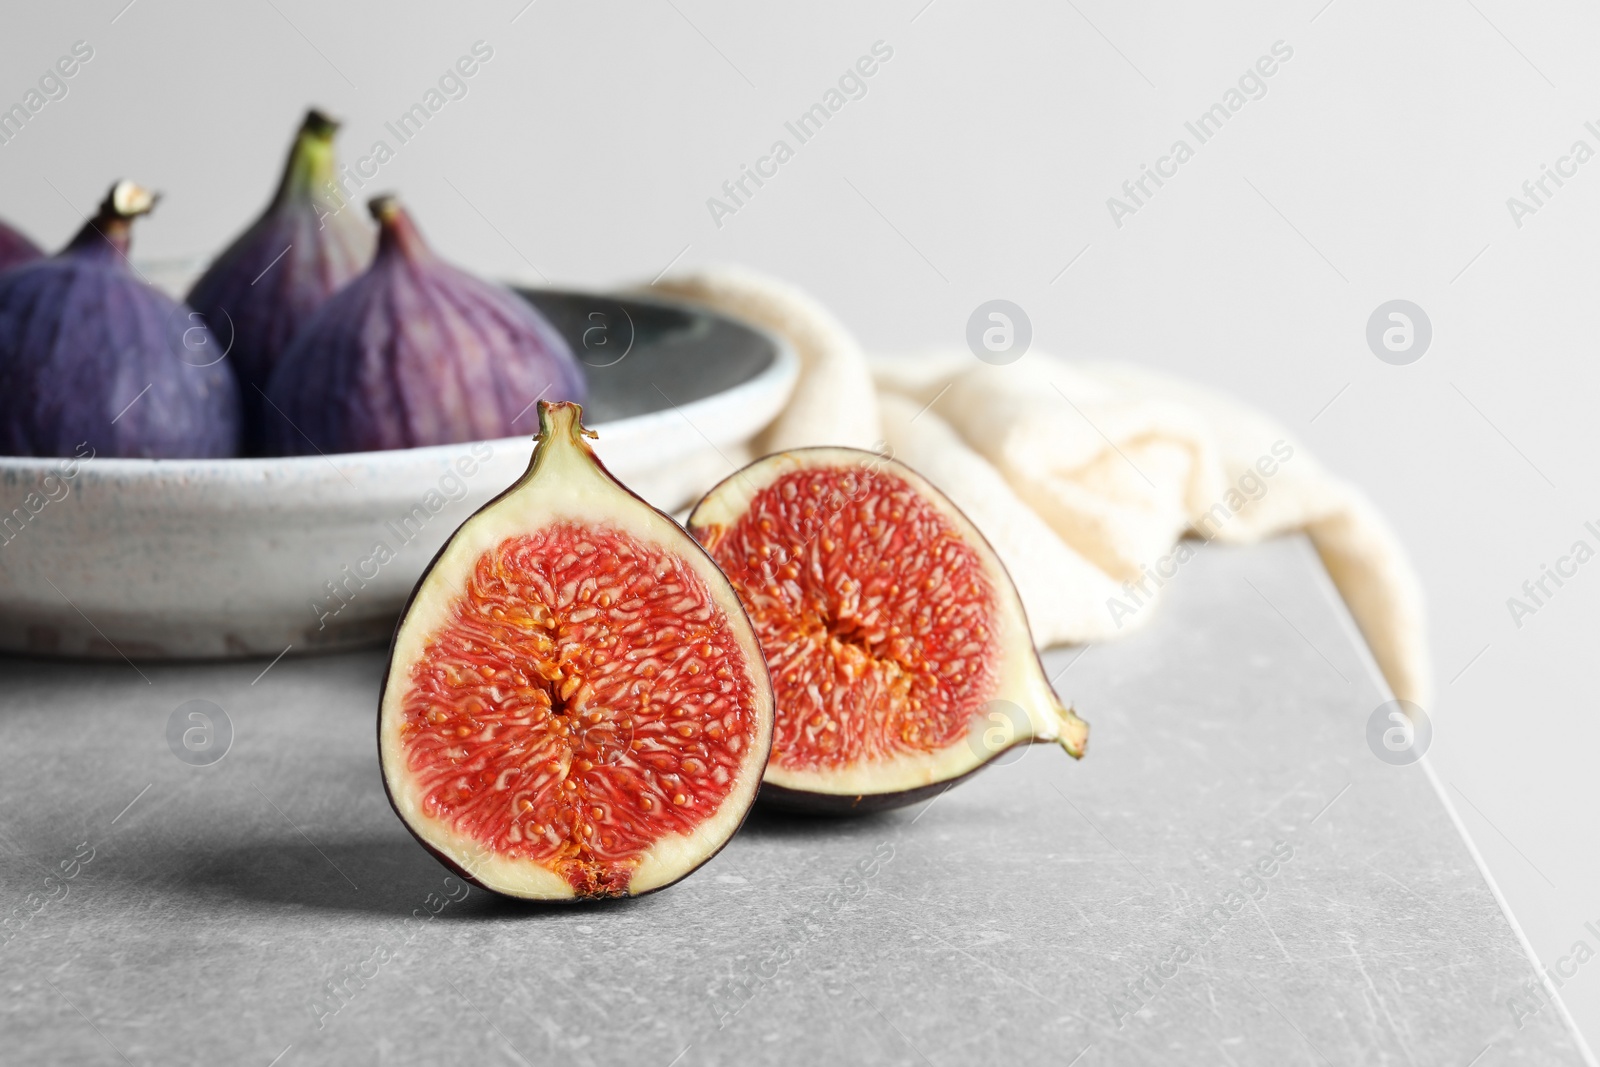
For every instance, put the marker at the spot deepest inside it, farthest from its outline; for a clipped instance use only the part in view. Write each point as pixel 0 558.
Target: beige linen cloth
pixel 1084 476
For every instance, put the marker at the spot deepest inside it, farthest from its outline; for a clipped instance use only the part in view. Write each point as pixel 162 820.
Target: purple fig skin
pixel 15 248
pixel 92 356
pixel 415 352
pixel 302 249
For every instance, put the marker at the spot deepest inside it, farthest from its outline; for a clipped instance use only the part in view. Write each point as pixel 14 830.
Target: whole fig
pixel 301 249
pixel 15 248
pixel 415 352
pixel 89 353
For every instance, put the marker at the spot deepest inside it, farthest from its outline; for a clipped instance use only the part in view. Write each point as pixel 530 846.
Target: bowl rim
pixel 783 371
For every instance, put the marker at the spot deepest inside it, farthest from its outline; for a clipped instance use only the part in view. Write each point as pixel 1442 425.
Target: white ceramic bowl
pixel 166 559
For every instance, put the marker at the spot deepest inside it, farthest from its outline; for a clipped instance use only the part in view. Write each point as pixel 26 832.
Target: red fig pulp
pixel 576 704
pixel 901 658
pixel 90 354
pixel 302 248
pixel 415 352
pixel 15 248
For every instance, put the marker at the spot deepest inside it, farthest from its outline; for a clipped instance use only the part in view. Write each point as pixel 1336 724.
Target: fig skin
pixel 15 248
pixel 808 802
pixel 92 355
pixel 560 451
pixel 1023 680
pixel 415 352
pixel 303 247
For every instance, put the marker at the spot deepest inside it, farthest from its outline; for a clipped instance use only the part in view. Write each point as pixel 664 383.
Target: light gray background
pixel 978 166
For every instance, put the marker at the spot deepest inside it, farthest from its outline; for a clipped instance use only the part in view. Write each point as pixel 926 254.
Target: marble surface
pixel 1231 877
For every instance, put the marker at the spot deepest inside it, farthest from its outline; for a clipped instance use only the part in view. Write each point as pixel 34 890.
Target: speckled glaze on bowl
pixel 181 559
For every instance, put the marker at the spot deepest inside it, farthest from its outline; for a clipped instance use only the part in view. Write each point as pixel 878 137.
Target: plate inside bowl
pixel 162 559
pixel 641 357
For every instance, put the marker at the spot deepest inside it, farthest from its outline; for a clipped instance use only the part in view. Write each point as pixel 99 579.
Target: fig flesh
pixel 296 254
pixel 900 654
pixel 91 354
pixel 415 352
pixel 15 248
pixel 576 705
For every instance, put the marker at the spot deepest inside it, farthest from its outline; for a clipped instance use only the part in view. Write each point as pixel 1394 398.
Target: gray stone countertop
pixel 1231 877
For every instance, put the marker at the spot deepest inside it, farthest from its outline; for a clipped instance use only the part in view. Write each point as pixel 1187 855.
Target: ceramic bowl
pixel 178 559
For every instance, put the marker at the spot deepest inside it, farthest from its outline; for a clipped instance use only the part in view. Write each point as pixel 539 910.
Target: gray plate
pixel 626 344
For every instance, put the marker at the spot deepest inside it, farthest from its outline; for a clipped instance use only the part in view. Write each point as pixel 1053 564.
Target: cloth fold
pixel 1093 480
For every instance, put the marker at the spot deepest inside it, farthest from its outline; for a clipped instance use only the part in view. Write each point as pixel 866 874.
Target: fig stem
pixel 397 234
pixel 113 223
pixel 561 417
pixel 1073 733
pixel 320 124
pixel 309 170
pixel 560 446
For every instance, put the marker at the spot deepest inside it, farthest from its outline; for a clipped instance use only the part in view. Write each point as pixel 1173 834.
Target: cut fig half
pixel 576 704
pixel 900 654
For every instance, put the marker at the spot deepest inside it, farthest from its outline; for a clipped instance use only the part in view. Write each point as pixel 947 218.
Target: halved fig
pixel 576 704
pixel 900 655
